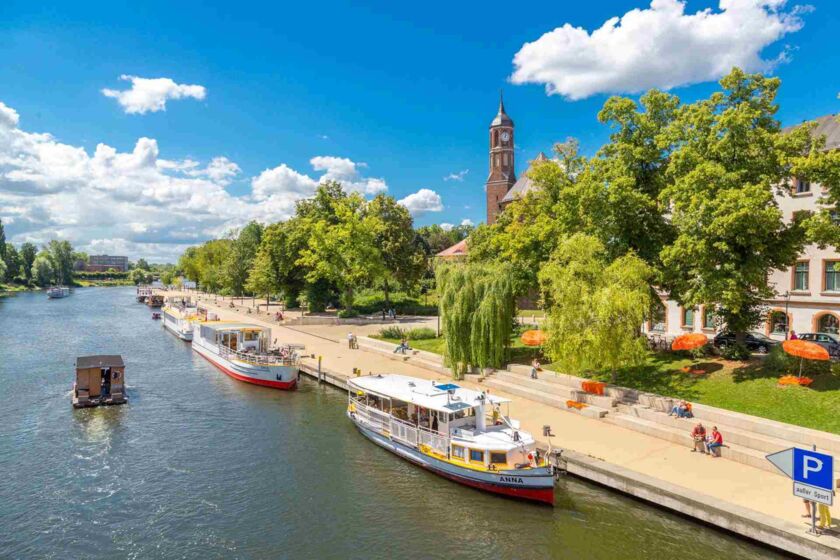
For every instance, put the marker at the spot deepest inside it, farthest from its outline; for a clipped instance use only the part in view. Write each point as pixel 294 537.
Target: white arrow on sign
pixel 783 460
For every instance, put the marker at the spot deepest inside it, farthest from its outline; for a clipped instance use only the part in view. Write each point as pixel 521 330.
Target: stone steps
pixel 420 358
pixel 535 394
pixel 547 384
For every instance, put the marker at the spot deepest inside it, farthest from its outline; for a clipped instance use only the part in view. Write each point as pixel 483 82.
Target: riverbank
pixel 728 484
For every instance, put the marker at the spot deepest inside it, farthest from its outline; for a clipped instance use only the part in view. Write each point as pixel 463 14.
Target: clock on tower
pixel 502 175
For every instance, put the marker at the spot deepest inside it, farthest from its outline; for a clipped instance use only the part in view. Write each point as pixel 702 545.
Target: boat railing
pixel 371 417
pixel 259 359
pixel 401 430
pixel 435 440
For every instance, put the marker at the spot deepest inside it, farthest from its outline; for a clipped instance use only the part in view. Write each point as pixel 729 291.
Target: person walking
pixel 535 367
pixel 350 341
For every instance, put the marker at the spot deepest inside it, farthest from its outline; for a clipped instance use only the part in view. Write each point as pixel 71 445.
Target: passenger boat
pixel 154 300
pixel 178 317
pixel 451 431
pixel 143 292
pixel 243 351
pixel 99 380
pixel 58 292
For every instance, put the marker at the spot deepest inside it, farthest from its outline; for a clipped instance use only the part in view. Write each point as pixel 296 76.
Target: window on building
pixel 832 276
pixel 802 186
pixel 828 324
pixel 688 317
pixel 708 318
pixel 800 276
pixel 477 455
pixel 657 316
pixel 778 322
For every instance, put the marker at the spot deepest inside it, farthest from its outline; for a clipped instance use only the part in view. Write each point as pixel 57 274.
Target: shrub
pixel 347 314
pixel 392 332
pixel 422 333
pixel 738 352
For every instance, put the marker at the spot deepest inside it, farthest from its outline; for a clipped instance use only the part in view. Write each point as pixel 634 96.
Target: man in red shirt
pixel 715 443
pixel 698 434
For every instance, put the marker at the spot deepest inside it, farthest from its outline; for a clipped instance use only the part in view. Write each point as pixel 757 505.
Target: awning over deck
pixel 422 392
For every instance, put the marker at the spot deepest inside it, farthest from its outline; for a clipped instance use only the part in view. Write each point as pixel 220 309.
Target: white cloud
pixel 445 226
pixel 659 47
pixel 151 94
pixel 459 176
pixel 467 222
pixel 424 200
pixel 136 203
pixel 347 173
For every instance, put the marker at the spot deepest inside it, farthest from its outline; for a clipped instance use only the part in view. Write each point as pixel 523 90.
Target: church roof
pixel 828 126
pixel 502 118
pixel 457 250
pixel 524 184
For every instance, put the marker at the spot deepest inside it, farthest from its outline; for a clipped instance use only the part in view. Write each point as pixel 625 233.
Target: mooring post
pixel 319 369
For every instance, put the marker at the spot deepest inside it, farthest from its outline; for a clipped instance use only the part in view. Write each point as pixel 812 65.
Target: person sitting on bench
pixel 402 348
pixel 715 443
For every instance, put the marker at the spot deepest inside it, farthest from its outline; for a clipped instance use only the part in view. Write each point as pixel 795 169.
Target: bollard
pixel 319 369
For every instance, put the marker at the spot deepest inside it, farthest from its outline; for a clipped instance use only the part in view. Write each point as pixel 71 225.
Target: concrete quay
pixel 746 499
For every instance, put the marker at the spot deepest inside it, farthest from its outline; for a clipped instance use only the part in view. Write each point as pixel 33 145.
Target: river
pixel 198 465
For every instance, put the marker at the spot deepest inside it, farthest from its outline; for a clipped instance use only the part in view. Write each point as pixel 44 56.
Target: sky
pixel 141 130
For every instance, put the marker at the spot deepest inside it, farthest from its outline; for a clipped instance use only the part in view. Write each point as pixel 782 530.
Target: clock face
pixel 505 136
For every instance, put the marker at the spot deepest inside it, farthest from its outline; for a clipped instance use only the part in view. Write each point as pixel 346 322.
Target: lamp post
pixel 787 316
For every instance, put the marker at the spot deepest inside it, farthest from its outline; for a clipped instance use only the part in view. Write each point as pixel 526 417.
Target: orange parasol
pixel 805 350
pixel 533 338
pixel 690 341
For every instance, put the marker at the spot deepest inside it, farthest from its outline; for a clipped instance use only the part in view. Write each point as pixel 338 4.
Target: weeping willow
pixel 476 310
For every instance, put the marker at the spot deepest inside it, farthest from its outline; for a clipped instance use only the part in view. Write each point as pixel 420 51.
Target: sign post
pixel 812 474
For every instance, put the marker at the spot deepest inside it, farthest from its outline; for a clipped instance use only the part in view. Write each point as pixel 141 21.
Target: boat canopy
pixel 226 327
pixel 428 394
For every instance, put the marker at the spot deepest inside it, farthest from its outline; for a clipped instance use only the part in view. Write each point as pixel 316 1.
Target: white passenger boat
pixel 143 292
pixel 243 351
pixel 58 292
pixel 179 315
pixel 454 432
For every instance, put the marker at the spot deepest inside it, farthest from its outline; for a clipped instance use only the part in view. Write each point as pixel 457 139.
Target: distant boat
pixel 154 300
pixel 99 380
pixel 143 292
pixel 58 292
pixel 178 317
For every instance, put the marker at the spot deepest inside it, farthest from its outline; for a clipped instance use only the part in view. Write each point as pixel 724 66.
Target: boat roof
pixel 225 326
pixel 444 397
pixel 103 360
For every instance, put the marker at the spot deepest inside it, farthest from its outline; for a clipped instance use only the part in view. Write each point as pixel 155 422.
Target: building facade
pixel 103 263
pixel 502 175
pixel 807 293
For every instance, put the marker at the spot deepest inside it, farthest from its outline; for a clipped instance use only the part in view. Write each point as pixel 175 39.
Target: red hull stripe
pixel 544 495
pixel 264 382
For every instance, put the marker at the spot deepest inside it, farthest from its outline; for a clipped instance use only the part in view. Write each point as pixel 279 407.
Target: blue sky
pixel 406 89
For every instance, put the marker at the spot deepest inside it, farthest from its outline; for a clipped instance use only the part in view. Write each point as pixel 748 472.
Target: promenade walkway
pixel 721 479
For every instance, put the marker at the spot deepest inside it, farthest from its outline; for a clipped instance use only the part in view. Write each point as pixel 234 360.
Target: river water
pixel 198 465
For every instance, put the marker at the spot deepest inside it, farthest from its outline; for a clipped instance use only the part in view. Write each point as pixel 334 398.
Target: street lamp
pixel 787 316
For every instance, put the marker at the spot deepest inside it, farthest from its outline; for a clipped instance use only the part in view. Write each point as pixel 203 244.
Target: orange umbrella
pixel 805 350
pixel 690 341
pixel 533 338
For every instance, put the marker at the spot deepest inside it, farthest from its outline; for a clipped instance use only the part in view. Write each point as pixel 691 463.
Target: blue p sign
pixel 813 469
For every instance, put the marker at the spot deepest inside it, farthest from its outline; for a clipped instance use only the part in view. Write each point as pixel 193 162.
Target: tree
pixel 42 270
pixel 403 256
pixel 274 269
pixel 241 255
pixel 28 251
pixel 730 160
pixel 2 242
pixel 12 263
pixel 476 310
pixel 61 258
pixel 141 263
pixel 595 306
pixel 342 246
pixel 2 269
pixel 166 277
pixel 140 276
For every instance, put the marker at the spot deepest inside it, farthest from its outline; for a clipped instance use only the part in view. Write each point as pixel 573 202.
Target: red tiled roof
pixel 457 250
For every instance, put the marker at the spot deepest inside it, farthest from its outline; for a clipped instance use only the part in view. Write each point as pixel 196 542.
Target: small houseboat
pixel 178 317
pixel 243 351
pixel 143 292
pixel 451 431
pixel 99 380
pixel 58 292
pixel 154 300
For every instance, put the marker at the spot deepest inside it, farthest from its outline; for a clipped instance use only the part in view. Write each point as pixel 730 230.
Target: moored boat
pixel 243 351
pixel 454 432
pixel 179 315
pixel 99 380
pixel 143 292
pixel 154 300
pixel 58 292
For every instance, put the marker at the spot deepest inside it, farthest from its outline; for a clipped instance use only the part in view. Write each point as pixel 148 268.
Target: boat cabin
pixel 99 380
pixel 460 425
pixel 154 300
pixel 238 337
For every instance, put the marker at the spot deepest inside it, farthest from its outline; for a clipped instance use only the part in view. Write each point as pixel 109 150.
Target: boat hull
pixel 274 376
pixel 526 484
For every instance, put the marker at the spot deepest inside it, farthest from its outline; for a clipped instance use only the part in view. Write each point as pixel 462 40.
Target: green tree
pixel 2 270
pixel 476 310
pixel 274 269
pixel 595 306
pixel 2 243
pixel 12 261
pixel 61 258
pixel 141 263
pixel 241 255
pixel 167 276
pixel 28 252
pixel 140 276
pixel 730 161
pixel 42 270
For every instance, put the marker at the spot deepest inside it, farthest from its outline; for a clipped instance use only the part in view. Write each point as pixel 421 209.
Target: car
pixel 755 341
pixel 830 342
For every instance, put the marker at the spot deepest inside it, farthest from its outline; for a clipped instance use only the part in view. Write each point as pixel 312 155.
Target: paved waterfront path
pixel 721 479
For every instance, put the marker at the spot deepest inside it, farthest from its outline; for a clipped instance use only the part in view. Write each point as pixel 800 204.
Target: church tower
pixel 502 176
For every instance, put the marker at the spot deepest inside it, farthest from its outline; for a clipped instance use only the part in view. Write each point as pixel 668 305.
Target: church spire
pixel 502 119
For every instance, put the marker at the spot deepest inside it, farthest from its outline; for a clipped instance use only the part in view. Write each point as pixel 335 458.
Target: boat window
pixel 466 413
pixel 477 455
pixel 498 457
pixel 457 452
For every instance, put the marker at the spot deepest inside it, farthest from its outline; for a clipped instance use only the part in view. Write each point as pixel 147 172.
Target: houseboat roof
pixel 222 326
pixel 444 397
pixel 104 360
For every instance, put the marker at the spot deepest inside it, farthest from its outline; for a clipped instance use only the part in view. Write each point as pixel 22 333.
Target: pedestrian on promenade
pixel 825 516
pixel 793 335
pixel 807 508
pixel 698 434
pixel 402 348
pixel 535 367
pixel 715 442
pixel 350 341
